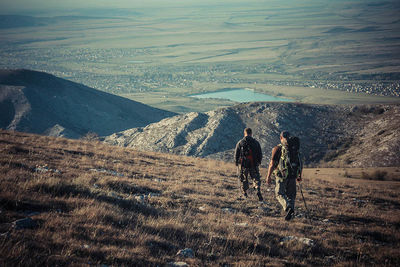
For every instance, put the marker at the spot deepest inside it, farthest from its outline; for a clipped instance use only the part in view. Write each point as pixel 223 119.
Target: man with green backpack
pixel 286 166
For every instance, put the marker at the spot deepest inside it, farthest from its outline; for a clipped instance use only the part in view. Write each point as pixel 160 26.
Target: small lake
pixel 242 95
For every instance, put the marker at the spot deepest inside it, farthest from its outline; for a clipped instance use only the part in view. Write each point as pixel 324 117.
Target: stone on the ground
pixel 243 224
pixel 306 241
pixel 229 210
pixel 26 223
pixel 186 253
pixel 178 264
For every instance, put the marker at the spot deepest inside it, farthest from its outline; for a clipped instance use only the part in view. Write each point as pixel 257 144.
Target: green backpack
pixel 290 164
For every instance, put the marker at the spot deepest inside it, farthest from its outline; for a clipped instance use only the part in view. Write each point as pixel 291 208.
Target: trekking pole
pixel 305 204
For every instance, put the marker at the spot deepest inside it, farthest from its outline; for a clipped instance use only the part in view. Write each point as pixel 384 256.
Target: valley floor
pixel 77 202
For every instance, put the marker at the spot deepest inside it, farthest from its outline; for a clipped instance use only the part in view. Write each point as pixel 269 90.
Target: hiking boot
pixel 289 214
pixel 260 198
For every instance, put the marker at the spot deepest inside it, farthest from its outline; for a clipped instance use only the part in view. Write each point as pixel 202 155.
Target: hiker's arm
pixel 270 170
pixel 272 164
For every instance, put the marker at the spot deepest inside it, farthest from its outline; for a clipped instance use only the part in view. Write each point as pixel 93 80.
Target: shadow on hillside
pixel 15 165
pixel 386 203
pixel 355 220
pixel 73 152
pixel 70 190
pixel 32 205
pixel 266 244
pixel 102 237
pixel 159 248
pixel 180 236
pixel 100 257
pixel 128 188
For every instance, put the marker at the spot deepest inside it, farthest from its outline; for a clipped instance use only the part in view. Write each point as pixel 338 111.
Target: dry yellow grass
pixel 95 204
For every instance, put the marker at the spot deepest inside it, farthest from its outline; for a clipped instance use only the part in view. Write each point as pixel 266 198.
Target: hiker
pixel 286 166
pixel 248 157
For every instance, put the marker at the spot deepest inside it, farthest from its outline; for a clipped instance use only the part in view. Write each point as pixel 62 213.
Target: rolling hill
pixel 38 102
pixel 331 135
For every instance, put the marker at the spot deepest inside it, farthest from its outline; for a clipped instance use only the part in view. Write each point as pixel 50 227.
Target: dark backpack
pixel 246 154
pixel 290 162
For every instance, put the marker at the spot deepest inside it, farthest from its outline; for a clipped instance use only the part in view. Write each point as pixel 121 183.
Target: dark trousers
pixel 253 174
pixel 285 192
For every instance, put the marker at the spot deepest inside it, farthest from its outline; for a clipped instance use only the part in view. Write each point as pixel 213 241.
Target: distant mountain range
pixel 38 102
pixel 331 135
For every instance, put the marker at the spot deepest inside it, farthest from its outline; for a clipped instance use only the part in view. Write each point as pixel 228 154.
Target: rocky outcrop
pixel 192 134
pixel 335 135
pixel 38 102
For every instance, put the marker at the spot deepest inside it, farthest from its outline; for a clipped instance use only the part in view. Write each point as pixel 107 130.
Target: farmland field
pixel 313 51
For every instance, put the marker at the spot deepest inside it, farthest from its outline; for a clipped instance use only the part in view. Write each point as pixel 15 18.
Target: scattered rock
pixel 243 224
pixel 203 208
pixel 26 223
pixel 113 194
pixel 144 198
pixel 186 253
pixel 86 246
pixel 326 221
pixel 229 210
pixel 44 169
pixel 306 241
pixel 141 198
pixel 178 264
pixel 41 169
pixel 111 172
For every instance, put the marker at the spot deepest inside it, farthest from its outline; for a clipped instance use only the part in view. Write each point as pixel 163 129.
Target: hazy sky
pixel 24 6
pixel 7 6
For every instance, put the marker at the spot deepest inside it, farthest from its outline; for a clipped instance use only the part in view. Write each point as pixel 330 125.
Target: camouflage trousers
pixel 254 174
pixel 285 192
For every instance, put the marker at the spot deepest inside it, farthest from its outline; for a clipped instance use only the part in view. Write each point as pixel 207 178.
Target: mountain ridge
pixel 332 135
pixel 41 103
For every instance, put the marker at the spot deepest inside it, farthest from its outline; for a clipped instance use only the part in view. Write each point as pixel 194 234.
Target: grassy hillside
pixel 93 204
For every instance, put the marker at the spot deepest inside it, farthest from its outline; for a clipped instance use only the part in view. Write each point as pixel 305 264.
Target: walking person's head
pixel 248 132
pixel 284 137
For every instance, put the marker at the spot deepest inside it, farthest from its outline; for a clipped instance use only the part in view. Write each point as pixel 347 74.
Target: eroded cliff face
pixel 333 135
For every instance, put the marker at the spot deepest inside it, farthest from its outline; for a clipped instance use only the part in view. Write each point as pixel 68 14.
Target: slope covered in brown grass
pixel 93 204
